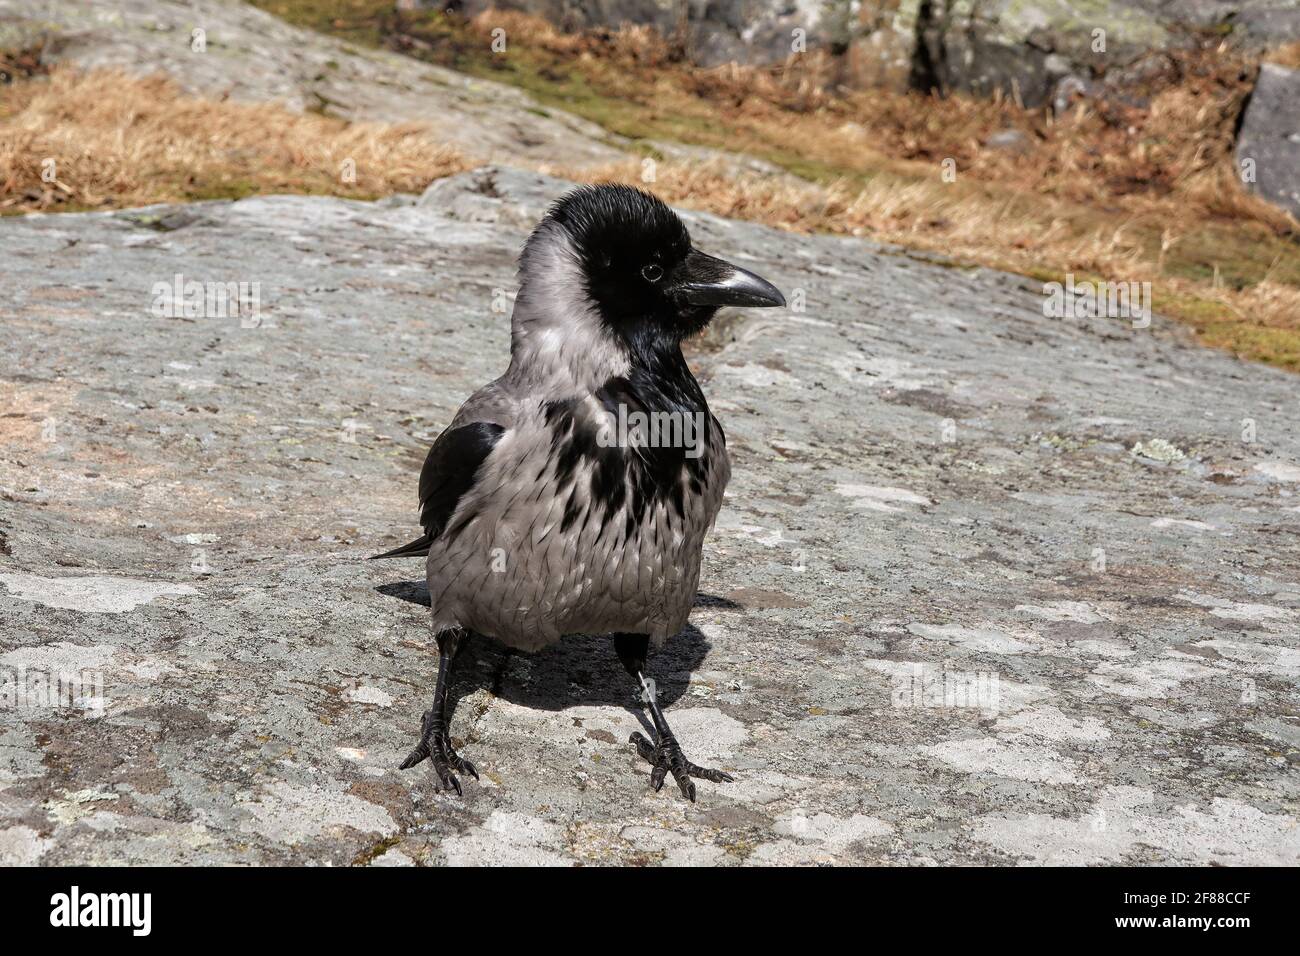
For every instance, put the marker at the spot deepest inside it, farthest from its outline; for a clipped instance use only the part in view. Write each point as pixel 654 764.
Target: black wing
pixel 448 473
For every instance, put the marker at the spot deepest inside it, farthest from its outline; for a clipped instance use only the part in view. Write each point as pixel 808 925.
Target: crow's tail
pixel 416 549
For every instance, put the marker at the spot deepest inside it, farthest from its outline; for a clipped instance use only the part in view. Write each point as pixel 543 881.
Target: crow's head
pixel 633 260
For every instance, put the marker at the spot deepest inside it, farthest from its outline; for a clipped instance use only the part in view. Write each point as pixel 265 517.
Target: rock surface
pixel 1268 146
pixel 250 55
pixel 1029 47
pixel 935 486
pixel 741 31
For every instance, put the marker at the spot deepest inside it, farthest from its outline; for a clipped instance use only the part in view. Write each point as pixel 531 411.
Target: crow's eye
pixel 653 272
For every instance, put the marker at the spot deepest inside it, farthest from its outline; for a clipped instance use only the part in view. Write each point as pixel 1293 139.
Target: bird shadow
pixel 579 670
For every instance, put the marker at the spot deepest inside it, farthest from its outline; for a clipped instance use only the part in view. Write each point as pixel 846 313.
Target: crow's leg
pixel 435 742
pixel 665 754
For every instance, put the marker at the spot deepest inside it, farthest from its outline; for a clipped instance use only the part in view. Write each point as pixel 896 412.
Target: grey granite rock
pixel 1268 146
pixel 988 587
pixel 742 31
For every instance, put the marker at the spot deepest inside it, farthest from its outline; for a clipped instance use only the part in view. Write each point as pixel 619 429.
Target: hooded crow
pixel 572 494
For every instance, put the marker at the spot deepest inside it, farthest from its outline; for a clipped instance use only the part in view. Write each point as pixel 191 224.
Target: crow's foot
pixel 435 744
pixel 666 757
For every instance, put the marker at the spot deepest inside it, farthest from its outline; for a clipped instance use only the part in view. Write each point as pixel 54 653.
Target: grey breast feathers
pixel 565 529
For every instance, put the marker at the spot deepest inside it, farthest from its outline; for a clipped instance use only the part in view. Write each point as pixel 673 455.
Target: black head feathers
pixel 610 220
pixel 636 266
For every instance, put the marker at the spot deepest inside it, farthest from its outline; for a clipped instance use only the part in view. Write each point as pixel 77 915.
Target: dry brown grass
pixel 1287 55
pixel 117 140
pixel 1168 143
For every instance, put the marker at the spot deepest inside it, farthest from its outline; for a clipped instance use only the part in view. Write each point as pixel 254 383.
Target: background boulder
pixel 1268 147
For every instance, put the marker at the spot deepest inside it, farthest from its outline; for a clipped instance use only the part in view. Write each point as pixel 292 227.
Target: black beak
pixel 705 280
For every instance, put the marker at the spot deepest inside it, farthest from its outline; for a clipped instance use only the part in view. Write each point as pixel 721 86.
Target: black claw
pixel 687 787
pixel 436 745
pixel 717 776
pixel 414 757
pixel 667 756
